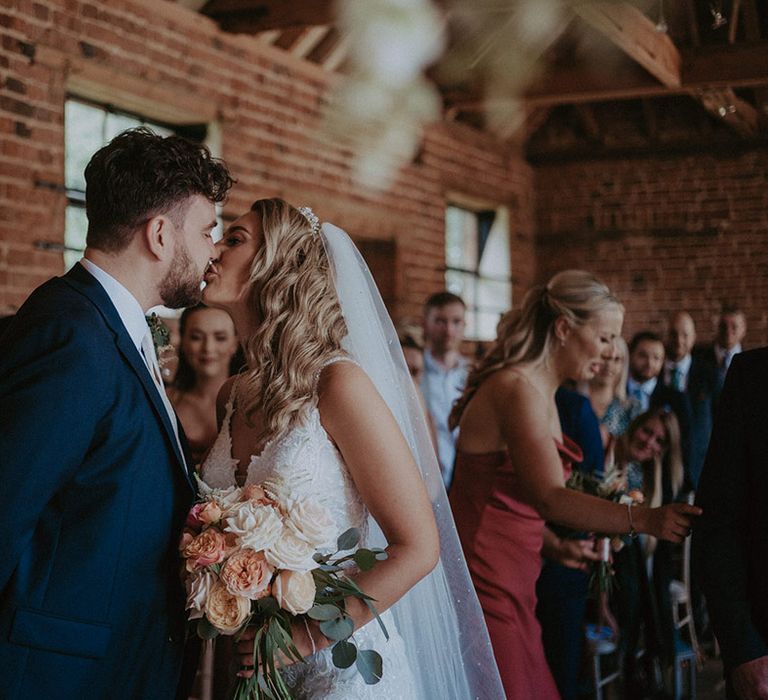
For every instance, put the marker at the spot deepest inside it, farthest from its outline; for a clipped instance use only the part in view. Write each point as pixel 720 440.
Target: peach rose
pixel 294 591
pixel 257 526
pixel 198 588
pixel 226 612
pixel 202 514
pixel 206 549
pixel 310 521
pixel 247 574
pixel 186 537
pixel 291 552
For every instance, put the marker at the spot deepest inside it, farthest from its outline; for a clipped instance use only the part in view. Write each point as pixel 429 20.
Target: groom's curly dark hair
pixel 140 174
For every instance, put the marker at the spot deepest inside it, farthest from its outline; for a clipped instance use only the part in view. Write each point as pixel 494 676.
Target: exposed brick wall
pixel 667 233
pixel 268 109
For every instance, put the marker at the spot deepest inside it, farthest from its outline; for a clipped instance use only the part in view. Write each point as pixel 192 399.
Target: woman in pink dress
pixel 512 463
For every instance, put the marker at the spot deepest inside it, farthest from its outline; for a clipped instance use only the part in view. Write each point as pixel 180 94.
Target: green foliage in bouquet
pixel 273 624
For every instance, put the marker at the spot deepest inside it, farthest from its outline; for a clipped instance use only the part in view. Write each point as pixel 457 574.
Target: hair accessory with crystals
pixel 311 217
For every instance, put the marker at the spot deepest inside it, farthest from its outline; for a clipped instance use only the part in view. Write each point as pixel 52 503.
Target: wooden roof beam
pixel 636 35
pixel 738 66
pixel 251 16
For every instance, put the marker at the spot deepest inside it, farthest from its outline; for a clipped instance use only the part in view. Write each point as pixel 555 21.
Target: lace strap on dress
pixel 332 361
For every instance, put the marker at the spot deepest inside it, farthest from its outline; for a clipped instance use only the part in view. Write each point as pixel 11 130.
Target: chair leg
pixel 677 680
pixel 597 677
pixel 694 638
pixel 692 682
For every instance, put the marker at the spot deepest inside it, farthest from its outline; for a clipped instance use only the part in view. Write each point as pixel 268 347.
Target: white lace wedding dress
pixel 307 460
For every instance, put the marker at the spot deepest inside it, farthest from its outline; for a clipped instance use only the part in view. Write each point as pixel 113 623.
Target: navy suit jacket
pixel 91 602
pixel 730 539
pixel 701 393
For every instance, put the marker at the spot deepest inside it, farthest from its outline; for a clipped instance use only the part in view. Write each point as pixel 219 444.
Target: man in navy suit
pixel 730 540
pixel 697 378
pixel 91 457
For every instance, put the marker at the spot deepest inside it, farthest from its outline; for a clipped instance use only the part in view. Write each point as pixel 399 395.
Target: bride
pixel 327 404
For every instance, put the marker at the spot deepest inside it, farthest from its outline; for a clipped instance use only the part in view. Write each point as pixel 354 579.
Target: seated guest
pixel 207 358
pixel 649 460
pixel 445 370
pixel 646 361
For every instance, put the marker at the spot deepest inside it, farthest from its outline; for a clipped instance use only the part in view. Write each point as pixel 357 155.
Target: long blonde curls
pixel 300 324
pixel 528 334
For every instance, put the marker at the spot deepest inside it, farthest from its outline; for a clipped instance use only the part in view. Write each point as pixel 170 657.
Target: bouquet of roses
pixel 254 557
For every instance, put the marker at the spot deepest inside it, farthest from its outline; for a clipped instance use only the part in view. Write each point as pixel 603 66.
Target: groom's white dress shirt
pixel 132 315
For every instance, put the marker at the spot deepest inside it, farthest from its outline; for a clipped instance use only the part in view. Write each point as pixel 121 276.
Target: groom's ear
pixel 157 237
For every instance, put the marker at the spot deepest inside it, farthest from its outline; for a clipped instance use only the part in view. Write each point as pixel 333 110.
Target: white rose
pixel 226 498
pixel 291 552
pixel 310 521
pixel 294 591
pixel 198 588
pixel 257 526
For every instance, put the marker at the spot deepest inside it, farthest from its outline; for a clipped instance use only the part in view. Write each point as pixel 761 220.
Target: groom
pixel 91 460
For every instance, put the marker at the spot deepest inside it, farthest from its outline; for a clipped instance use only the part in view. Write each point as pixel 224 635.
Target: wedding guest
pixel 730 542
pixel 646 361
pixel 607 392
pixel 563 586
pixel 695 376
pixel 649 460
pixel 731 329
pixel 513 460
pixel 445 370
pixel 207 358
pixel 412 344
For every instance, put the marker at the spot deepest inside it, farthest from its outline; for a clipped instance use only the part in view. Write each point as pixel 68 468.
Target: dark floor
pixel 709 685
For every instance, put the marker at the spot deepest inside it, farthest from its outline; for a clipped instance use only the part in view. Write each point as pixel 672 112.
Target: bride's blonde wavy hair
pixel 300 324
pixel 528 334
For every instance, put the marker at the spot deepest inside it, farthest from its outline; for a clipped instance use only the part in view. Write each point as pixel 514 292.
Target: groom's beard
pixel 181 286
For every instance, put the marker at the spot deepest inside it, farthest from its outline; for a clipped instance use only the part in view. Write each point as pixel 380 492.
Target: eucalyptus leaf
pixel 375 613
pixel 324 612
pixel 339 629
pixel 343 654
pixel 267 606
pixel 348 539
pixel 205 630
pixel 365 559
pixel 370 665
pixel 381 555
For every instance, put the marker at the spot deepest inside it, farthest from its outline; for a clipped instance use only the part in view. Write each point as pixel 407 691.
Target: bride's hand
pixel 672 522
pixel 307 638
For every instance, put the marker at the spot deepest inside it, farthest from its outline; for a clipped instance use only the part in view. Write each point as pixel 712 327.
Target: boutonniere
pixel 161 336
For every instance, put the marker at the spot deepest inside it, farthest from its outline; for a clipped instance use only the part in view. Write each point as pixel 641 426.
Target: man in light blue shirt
pixel 445 370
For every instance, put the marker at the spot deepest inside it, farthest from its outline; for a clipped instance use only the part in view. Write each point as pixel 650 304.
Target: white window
pixel 87 127
pixel 477 260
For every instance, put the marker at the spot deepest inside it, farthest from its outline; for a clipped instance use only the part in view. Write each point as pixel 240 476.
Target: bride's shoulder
pixel 341 387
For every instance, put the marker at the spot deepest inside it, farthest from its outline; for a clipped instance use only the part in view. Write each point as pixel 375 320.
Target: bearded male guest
pixel 91 454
